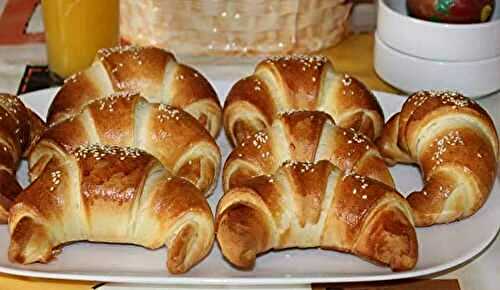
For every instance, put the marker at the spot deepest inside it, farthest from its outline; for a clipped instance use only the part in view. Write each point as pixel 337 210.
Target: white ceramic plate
pixel 409 73
pixel 441 247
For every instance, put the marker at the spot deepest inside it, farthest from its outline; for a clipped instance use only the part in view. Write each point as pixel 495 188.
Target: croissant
pixel 455 144
pixel 174 137
pixel 110 194
pixel 304 136
pixel 19 129
pixel 315 205
pixel 150 71
pixel 303 83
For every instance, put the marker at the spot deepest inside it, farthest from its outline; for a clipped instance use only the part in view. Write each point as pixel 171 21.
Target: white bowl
pixel 410 74
pixel 438 41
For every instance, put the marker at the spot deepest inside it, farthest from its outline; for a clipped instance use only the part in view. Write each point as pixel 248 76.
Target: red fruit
pixel 452 11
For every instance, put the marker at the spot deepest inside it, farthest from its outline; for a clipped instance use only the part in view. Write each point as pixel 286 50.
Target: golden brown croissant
pixel 19 129
pixel 315 205
pixel 284 84
pixel 455 143
pixel 153 72
pixel 304 136
pixel 174 137
pixel 110 194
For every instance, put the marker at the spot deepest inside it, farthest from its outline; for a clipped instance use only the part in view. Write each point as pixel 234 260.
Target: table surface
pixel 353 56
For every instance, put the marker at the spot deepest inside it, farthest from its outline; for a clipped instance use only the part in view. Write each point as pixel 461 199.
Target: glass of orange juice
pixel 76 29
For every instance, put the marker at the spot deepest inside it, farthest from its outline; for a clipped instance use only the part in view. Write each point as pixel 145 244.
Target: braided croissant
pixel 315 205
pixel 110 194
pixel 20 128
pixel 150 71
pixel 455 143
pixel 304 136
pixel 284 84
pixel 171 135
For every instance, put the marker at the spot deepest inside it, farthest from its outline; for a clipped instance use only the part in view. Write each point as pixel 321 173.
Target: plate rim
pixel 472 254
pixel 183 280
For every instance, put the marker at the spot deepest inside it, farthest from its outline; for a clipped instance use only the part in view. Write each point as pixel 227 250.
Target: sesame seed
pixel 346 80
pixel 357 136
pixel 167 112
pixel 73 78
pixel 454 99
pixel 99 151
pixel 104 53
pixel 260 138
pixel 452 138
pixel 303 167
pixel 305 59
pixel 348 172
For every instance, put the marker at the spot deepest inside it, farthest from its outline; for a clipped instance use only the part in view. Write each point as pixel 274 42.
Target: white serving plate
pixel 441 247
pixel 410 73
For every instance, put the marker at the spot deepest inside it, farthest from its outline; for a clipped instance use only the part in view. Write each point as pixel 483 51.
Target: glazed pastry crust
pixel 316 205
pixel 299 83
pixel 150 71
pixel 110 194
pixel 455 144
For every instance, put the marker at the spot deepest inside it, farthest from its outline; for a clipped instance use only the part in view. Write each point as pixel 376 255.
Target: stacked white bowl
pixel 413 54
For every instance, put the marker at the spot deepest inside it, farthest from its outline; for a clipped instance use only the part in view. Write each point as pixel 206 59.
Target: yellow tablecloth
pixel 353 56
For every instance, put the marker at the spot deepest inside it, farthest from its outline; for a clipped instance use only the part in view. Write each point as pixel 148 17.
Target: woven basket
pixel 237 27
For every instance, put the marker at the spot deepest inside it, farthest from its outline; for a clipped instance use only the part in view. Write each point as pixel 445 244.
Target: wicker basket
pixel 235 27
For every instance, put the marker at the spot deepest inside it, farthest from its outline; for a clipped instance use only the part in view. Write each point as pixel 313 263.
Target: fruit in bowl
pixel 452 11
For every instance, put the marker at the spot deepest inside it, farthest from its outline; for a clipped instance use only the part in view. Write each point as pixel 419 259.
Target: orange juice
pixel 76 29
